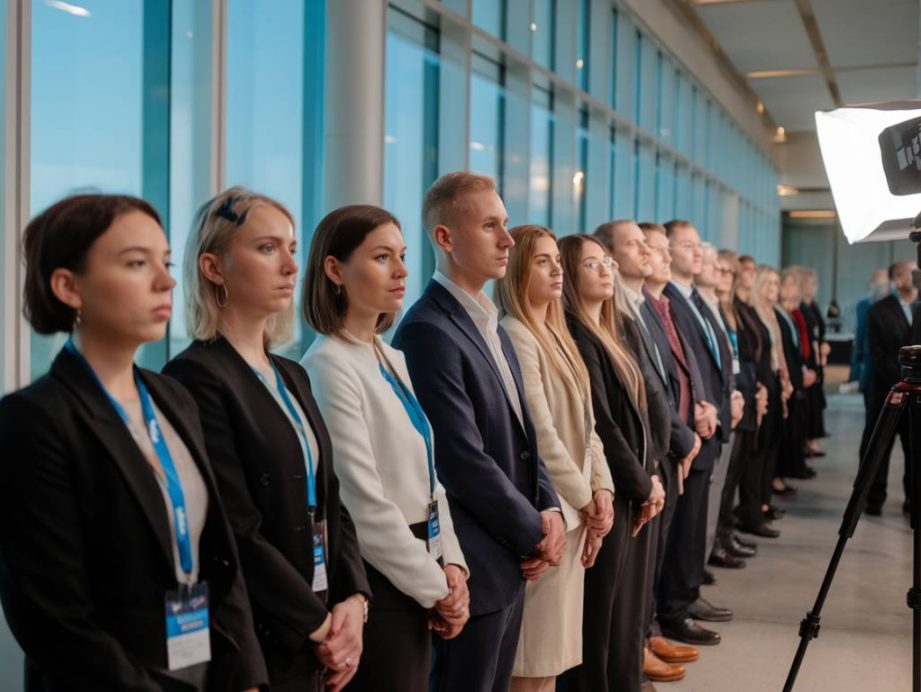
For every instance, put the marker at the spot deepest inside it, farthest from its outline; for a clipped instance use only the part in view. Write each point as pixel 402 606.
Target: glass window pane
pixel 410 140
pixel 486 116
pixel 624 61
pixel 542 33
pixel 645 182
pixel 489 16
pixel 622 178
pixel 539 195
pixel 583 46
pixel 91 68
pixel 665 189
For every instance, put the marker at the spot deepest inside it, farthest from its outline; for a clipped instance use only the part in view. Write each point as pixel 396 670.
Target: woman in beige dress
pixel 558 396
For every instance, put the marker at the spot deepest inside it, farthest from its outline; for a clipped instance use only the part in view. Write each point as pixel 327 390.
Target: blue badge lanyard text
pixel 152 427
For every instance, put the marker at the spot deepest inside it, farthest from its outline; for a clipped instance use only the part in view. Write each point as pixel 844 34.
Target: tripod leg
pixel 883 434
pixel 913 469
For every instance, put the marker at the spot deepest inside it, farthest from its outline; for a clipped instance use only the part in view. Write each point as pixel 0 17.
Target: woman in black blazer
pixel 269 445
pixel 109 512
pixel 616 588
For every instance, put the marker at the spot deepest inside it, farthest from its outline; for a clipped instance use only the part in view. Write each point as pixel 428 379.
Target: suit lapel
pixel 107 426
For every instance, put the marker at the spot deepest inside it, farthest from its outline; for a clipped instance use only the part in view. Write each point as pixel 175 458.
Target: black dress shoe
pixel 689 632
pixel 709 578
pixel 737 540
pixel 762 530
pixel 720 557
pixel 873 511
pixel 788 491
pixel 736 549
pixel 774 513
pixel 701 609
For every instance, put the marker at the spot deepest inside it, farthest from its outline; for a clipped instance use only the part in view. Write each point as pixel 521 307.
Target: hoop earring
pixel 78 317
pixel 221 304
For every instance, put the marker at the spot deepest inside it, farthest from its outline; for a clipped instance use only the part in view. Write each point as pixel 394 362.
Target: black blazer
pixel 617 421
pixel 658 414
pixel 791 350
pixel 259 464
pixel 86 555
pixel 488 463
pixel 746 380
pixel 887 332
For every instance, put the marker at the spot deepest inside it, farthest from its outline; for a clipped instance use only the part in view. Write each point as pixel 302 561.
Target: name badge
pixel 188 639
pixel 320 580
pixel 736 367
pixel 433 543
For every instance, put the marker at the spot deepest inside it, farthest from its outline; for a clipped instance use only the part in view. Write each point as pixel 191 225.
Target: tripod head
pixel 910 362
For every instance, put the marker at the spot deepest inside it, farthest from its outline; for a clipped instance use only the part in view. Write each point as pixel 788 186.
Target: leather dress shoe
pixel 672 653
pixel 701 609
pixel 658 670
pixel 720 557
pixel 738 540
pixel 689 632
pixel 762 530
pixel 736 548
pixel 709 578
pixel 774 513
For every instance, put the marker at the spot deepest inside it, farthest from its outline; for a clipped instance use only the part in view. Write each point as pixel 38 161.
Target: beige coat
pixel 551 632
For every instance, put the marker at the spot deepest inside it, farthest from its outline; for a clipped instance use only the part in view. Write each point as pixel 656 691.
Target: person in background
pixel 878 287
pixel 111 515
pixel 558 394
pixel 465 372
pixel 383 452
pixel 889 325
pixel 819 349
pixel 268 442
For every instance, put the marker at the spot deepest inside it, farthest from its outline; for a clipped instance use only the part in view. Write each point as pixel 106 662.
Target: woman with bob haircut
pixel 382 447
pixel 111 517
pixel 269 444
pixel 558 395
pixel 618 589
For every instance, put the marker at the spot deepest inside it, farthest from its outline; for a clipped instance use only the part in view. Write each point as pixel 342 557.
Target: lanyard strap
pixel 302 431
pixel 152 428
pixel 416 417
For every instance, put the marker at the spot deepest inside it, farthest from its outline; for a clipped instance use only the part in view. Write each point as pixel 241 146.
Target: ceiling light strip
pixel 821 55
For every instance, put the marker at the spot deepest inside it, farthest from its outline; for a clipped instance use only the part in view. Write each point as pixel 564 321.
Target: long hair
pixel 727 303
pixel 766 312
pixel 609 330
pixel 512 295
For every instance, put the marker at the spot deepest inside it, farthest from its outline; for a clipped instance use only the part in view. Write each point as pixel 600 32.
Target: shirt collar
pixel 480 308
pixel 686 291
pixel 636 299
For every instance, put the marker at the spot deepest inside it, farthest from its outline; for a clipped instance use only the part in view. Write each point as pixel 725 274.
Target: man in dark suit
pixel 682 573
pixel 889 327
pixel 465 373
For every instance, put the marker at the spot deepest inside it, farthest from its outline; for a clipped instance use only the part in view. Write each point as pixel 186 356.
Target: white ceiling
pixel 872 47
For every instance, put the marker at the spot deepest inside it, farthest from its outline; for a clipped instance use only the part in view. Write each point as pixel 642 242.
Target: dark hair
pixel 60 238
pixel 337 235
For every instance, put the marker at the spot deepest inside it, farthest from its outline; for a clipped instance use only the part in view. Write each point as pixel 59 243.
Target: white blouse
pixel 382 464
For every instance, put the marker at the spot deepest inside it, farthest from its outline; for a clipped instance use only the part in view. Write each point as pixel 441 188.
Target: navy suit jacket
pixel 487 461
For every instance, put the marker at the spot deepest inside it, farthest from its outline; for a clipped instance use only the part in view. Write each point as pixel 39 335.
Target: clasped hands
pixel 550 550
pixel 705 419
pixel 338 641
pixel 653 505
pixel 598 517
pixel 451 613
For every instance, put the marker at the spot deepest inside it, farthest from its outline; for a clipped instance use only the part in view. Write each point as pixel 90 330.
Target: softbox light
pixel 872 156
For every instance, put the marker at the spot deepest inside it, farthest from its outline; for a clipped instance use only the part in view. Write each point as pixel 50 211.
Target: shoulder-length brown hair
pixel 324 303
pixel 608 332
pixel 512 295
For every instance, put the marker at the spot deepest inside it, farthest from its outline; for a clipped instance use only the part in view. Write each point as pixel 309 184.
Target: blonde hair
pixel 512 295
pixel 608 332
pixel 215 224
pixel 766 312
pixel 444 196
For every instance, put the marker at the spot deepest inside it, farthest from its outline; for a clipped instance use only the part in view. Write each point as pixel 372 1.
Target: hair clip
pixel 226 212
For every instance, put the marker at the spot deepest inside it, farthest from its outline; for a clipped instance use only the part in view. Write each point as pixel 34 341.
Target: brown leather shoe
pixel 658 670
pixel 672 653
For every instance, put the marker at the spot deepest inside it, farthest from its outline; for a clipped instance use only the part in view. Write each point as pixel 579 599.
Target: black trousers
pixel 683 566
pixel 481 657
pixel 877 495
pixel 397 650
pixel 755 487
pixel 615 610
pixel 792 459
pixel 741 455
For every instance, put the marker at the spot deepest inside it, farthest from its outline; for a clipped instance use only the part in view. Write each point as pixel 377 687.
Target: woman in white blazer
pixel 382 447
pixel 559 399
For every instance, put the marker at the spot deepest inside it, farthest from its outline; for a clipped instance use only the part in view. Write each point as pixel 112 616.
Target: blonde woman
pixel 617 590
pixel 269 446
pixel 558 396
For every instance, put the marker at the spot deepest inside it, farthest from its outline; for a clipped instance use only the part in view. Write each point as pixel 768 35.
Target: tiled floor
pixel 865 643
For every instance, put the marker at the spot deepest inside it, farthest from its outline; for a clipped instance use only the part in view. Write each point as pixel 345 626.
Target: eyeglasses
pixel 593 264
pixel 687 245
pixel 725 271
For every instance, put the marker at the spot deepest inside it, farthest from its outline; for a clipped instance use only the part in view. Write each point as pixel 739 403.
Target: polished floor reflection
pixel 865 640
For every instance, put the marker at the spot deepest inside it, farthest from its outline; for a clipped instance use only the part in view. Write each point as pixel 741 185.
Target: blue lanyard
pixel 734 340
pixel 416 417
pixel 152 427
pixel 299 425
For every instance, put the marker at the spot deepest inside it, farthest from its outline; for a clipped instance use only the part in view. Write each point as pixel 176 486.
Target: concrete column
pixel 354 109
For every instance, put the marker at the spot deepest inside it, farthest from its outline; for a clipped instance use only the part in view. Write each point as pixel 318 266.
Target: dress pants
pixel 615 609
pixel 755 488
pixel 742 454
pixel 877 495
pixel 683 567
pixel 715 492
pixel 791 460
pixel 397 649
pixel 662 525
pixel 481 657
